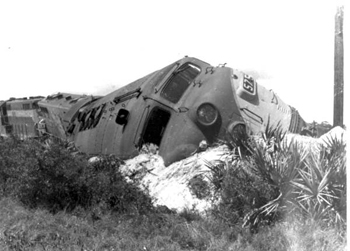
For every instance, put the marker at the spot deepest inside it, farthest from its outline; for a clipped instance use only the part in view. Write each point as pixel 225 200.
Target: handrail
pixel 128 95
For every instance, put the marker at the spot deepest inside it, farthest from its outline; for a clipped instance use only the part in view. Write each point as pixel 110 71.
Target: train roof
pixel 62 95
pixel 64 100
pixel 24 100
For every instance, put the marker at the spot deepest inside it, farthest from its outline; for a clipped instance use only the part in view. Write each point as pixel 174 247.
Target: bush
pixel 45 174
pixel 105 184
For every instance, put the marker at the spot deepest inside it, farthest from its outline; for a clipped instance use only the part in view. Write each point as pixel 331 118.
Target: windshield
pixel 179 82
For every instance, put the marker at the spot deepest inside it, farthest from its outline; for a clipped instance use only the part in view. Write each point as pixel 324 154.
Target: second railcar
pixel 19 117
pixel 59 109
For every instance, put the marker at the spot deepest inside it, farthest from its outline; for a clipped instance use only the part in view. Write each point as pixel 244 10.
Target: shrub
pixel 45 174
pixel 105 184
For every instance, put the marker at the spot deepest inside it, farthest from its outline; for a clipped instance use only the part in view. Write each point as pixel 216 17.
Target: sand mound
pixel 169 185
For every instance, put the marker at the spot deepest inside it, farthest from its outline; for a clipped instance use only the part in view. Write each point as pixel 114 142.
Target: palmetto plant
pixel 305 182
pixel 312 183
pixel 321 188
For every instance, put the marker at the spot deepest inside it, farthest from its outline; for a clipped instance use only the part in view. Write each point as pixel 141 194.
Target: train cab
pixel 174 108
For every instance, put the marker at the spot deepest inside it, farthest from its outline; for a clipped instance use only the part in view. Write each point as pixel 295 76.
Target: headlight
pixel 207 114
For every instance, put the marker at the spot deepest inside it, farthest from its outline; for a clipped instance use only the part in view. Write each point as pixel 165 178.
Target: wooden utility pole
pixel 338 105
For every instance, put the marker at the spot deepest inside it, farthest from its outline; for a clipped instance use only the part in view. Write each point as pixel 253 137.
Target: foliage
pixel 237 191
pixel 45 174
pixel 271 178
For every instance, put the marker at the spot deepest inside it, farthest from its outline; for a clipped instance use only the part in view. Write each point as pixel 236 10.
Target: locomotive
pixel 19 116
pixel 174 108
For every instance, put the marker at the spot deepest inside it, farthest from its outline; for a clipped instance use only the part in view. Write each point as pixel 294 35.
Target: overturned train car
pixel 19 117
pixel 174 108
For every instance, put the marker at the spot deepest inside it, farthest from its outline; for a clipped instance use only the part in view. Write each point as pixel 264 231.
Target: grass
pixel 52 200
pixel 24 229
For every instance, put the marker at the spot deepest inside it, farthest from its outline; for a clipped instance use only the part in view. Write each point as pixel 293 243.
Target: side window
pixel 179 82
pixel 26 106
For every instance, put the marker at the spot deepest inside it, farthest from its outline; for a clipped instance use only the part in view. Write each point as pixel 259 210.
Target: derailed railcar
pixel 19 117
pixel 5 128
pixel 176 108
pixel 58 110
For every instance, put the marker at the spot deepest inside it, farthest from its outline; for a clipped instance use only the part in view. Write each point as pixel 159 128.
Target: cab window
pixel 179 82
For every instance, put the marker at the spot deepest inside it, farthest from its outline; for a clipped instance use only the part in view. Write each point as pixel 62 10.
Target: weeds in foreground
pixel 95 209
pixel 24 229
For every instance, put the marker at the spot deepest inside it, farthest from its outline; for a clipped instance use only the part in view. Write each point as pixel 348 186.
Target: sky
pixel 95 47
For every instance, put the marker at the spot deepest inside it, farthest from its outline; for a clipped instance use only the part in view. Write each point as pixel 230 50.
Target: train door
pixel 155 126
pixel 4 117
